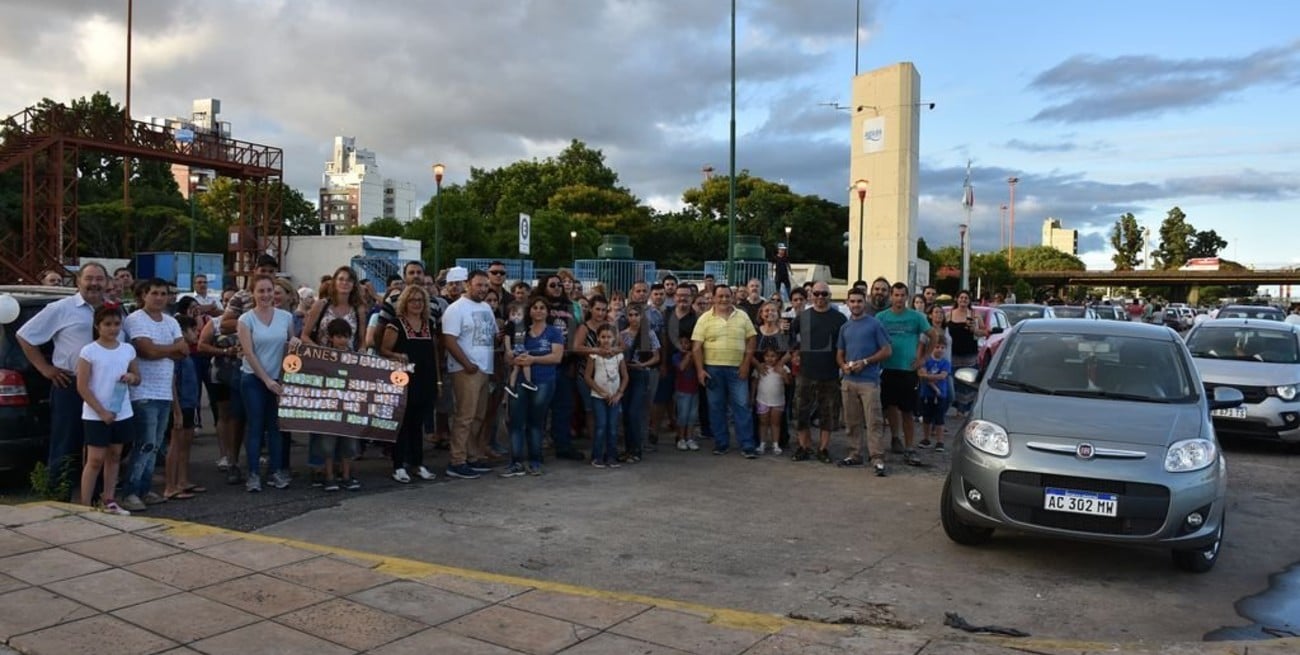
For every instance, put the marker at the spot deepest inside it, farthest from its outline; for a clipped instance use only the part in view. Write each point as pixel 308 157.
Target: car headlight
pixel 1190 455
pixel 988 437
pixel 1285 392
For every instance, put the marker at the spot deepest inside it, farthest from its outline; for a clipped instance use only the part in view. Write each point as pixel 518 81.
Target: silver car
pixel 1092 430
pixel 1260 358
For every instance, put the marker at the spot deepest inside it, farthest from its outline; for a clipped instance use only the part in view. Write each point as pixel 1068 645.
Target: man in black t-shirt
pixel 817 387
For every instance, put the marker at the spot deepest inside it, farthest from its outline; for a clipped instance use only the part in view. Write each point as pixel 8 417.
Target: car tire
pixel 966 535
pixel 1201 560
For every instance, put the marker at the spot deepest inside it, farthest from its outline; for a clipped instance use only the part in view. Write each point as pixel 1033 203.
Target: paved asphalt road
pixel 771 535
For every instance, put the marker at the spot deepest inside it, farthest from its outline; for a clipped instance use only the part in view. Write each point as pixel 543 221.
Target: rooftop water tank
pixel 749 248
pixel 614 246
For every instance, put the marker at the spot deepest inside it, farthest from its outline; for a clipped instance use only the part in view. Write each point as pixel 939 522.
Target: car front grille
pixel 1254 395
pixel 1142 507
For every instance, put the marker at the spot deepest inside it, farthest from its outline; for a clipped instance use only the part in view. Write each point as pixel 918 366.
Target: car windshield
pixel 1018 314
pixel 1244 343
pixel 1100 366
pixel 1063 311
pixel 1267 313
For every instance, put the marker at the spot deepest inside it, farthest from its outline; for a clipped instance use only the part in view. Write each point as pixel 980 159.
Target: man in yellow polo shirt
pixel 723 342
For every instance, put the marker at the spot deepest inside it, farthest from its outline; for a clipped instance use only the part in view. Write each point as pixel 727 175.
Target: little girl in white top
pixel 769 399
pixel 104 369
pixel 607 378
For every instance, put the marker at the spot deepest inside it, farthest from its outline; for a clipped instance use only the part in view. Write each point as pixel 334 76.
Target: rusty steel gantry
pixel 44 142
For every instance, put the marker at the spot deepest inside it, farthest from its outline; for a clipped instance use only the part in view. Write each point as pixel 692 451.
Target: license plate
pixel 1080 502
pixel 1231 412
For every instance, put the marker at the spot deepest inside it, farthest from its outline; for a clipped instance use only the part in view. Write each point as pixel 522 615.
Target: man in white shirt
pixel 158 345
pixel 209 302
pixel 68 323
pixel 469 332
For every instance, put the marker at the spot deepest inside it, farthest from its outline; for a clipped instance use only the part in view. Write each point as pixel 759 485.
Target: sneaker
pixel 719 451
pixel 533 469
pixel 511 392
pixel 352 484
pixel 462 471
pixel 425 474
pixel 692 444
pixel 681 445
pixel 280 479
pixel 253 483
pixel 938 447
pixel 751 454
pixel 849 462
pixel 776 449
pixel 896 445
pixel 599 465
pixel 330 485
pixel 515 470
pixel 761 450
pixel 479 467
pixel 133 503
pixel 613 465
pixel 925 443
pixel 223 463
pixel 911 459
pixel 233 475
pixel 880 469
pixel 824 456
pixel 153 498
pixel 801 454
pixel 401 476
pixel 528 385
pixel 111 507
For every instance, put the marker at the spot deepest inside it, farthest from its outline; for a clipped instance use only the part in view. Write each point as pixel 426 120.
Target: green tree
pixel 1126 239
pixel 380 227
pixel 300 216
pixel 1175 240
pixel 1206 243
pixel 1047 258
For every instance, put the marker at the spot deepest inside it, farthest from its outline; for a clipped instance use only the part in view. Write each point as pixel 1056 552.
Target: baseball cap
pixel 457 274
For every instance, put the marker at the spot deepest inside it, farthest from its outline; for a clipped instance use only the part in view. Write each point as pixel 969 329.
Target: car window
pixel 1020 314
pixel 11 354
pixel 1266 313
pixel 1109 366
pixel 1248 344
pixel 1070 312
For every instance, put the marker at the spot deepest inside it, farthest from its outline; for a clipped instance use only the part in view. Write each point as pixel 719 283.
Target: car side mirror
pixel 995 330
pixel 1226 397
pixel 970 376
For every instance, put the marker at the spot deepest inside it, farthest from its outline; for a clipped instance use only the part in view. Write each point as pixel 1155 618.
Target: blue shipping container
pixel 175 267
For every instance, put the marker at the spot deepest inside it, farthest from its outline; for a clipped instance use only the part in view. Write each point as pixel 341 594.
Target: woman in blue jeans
pixel 543 348
pixel 263 333
pixel 641 352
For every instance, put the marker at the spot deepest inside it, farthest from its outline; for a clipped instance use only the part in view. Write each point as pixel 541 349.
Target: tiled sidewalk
pixel 74 582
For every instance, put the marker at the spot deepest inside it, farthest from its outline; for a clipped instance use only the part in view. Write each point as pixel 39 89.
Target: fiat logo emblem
pixel 1084 451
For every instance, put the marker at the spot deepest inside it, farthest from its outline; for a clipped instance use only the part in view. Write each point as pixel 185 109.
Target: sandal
pixel 195 489
pixel 179 495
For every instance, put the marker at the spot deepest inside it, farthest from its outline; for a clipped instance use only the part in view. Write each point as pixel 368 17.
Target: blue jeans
pixel 729 389
pixel 604 444
pixel 636 408
pixel 688 406
pixel 150 429
pixel 66 434
pixel 261 420
pixel 562 412
pixel 528 420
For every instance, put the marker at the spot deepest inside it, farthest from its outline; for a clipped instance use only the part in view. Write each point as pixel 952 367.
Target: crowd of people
pixel 551 363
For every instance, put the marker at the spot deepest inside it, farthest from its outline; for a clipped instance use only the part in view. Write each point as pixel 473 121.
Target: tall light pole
pixel 194 187
pixel 967 203
pixel 861 187
pixel 1011 250
pixel 965 258
pixel 437 224
pixel 573 252
pixel 787 238
pixel 731 169
pixel 1002 229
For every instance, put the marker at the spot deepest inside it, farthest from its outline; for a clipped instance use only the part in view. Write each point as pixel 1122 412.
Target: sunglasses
pixel 497 272
pixel 552 286
pixel 821 294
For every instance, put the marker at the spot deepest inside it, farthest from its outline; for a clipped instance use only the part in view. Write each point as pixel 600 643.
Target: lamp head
pixel 573 235
pixel 437 173
pixel 861 187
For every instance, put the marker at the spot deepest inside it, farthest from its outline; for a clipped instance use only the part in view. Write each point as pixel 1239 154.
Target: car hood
pixel 1245 372
pixel 1149 424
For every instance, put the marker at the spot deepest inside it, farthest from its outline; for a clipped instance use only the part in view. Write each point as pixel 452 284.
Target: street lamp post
pixel 861 186
pixel 573 252
pixel 1011 234
pixel 787 238
pixel 194 187
pixel 965 259
pixel 437 224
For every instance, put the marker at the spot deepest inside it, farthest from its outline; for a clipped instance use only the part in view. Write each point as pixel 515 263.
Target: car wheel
pixel 966 535
pixel 1201 560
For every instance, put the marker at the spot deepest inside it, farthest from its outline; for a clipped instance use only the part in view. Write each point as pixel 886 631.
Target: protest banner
pixel 342 393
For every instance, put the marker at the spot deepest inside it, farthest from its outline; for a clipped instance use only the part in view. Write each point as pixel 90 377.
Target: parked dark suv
pixel 24 392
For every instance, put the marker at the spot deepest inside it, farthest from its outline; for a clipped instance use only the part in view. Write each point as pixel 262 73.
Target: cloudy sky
pixel 1098 108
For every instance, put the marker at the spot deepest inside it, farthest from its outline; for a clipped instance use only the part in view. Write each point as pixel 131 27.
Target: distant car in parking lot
pixel 1110 312
pixel 24 392
pixel 1074 311
pixel 1019 312
pixel 1260 358
pixel 1264 312
pixel 1095 431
